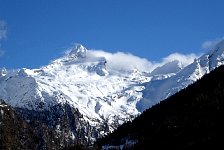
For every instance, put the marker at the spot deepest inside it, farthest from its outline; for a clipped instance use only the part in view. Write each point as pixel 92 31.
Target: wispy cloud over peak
pixel 123 61
pixel 127 61
pixel 185 59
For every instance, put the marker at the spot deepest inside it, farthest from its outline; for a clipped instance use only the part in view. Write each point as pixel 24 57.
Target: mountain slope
pixel 82 81
pixel 59 128
pixel 15 133
pixel 161 88
pixel 192 118
pixel 94 92
pixel 76 96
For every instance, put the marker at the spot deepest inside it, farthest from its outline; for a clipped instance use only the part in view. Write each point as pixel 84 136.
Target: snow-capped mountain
pixel 81 80
pixel 101 94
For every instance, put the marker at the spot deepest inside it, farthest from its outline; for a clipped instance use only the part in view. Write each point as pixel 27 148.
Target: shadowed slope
pixel 192 118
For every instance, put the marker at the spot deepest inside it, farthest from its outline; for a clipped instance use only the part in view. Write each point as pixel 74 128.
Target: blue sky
pixel 38 31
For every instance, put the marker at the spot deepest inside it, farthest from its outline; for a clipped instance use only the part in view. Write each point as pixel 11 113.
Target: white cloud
pixel 185 59
pixel 207 45
pixel 123 61
pixel 127 61
pixel 3 32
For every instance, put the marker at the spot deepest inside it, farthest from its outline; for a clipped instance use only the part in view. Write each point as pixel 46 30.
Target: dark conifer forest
pixel 15 133
pixel 190 119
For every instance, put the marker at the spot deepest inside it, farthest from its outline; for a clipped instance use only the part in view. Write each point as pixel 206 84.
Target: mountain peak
pixel 78 51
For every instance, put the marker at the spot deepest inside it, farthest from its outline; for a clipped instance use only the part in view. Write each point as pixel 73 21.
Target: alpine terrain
pixel 80 97
pixel 189 119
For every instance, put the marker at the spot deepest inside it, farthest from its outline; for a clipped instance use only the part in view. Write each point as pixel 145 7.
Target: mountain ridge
pixel 184 77
pixel 102 94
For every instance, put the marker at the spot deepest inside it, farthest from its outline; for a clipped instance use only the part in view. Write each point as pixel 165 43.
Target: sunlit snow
pixel 99 84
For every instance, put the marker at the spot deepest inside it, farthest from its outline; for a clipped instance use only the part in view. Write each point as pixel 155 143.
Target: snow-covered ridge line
pixel 80 79
pixel 105 88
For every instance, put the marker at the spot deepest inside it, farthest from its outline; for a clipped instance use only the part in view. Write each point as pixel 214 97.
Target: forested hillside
pixel 190 119
pixel 28 132
pixel 15 133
